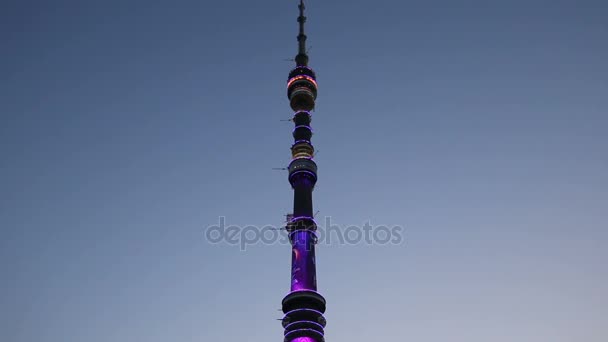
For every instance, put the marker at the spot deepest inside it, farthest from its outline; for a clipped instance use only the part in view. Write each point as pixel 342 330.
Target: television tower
pixel 303 306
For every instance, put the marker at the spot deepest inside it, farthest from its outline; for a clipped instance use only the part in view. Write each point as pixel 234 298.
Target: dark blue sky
pixel 128 127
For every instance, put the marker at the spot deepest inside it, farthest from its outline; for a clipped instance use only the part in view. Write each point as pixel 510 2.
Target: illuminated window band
pixel 302 150
pixel 301 158
pixel 302 164
pixel 300 78
pixel 302 155
pixel 306 322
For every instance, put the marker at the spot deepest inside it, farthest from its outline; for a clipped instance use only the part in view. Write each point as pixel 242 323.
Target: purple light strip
pixel 309 128
pixel 314 175
pixel 315 323
pixel 297 218
pixel 300 330
pixel 296 310
pixel 304 339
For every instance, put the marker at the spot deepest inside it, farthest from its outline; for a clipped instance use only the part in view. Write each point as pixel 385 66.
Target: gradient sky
pixel 128 127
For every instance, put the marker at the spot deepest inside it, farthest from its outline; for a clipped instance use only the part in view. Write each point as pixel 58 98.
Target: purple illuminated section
pixel 303 339
pixel 301 330
pixel 303 268
pixel 314 233
pixel 313 175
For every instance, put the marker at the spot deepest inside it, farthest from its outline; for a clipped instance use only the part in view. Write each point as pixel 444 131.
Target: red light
pixel 301 77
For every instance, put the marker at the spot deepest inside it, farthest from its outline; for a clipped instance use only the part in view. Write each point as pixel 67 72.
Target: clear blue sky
pixel 130 126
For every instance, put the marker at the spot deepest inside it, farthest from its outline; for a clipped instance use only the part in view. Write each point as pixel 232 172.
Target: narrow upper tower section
pixel 302 57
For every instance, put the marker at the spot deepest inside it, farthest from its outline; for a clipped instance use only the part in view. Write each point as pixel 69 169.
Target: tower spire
pixel 302 57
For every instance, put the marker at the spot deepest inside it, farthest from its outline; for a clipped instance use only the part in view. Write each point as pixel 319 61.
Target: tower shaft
pixel 303 306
